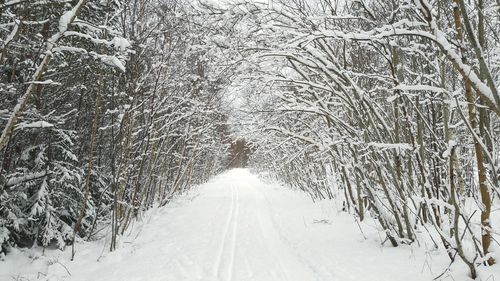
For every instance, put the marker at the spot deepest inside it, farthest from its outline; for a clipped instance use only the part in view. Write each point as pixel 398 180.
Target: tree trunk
pixel 88 177
pixel 481 169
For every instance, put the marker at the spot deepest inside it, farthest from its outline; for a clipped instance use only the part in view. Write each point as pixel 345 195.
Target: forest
pixel 390 108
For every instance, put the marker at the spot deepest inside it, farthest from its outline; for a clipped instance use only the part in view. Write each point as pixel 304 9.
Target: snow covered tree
pixel 381 101
pixel 108 108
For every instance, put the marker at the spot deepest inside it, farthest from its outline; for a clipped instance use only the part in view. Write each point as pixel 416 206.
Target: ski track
pixel 225 259
pixel 237 228
pixel 223 243
pixel 233 237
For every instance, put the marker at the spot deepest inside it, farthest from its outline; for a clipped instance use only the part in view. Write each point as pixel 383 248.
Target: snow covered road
pixel 225 233
pixel 237 228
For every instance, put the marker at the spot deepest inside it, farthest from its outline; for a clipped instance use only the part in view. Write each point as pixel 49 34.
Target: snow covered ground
pixel 238 228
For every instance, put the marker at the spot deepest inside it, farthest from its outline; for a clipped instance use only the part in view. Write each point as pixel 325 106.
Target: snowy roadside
pixel 23 264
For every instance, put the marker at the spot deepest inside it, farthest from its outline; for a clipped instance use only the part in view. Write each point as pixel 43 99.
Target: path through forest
pixel 238 228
